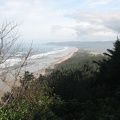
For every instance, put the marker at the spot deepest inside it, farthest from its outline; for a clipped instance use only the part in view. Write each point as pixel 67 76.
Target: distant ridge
pixel 100 46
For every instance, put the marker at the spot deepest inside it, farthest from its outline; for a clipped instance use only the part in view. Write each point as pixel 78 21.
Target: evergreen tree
pixel 110 67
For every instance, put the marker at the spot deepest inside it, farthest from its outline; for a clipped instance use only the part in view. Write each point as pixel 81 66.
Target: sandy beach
pixel 57 61
pixel 4 87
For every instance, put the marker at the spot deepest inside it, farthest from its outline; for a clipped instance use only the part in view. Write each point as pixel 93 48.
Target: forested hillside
pixel 85 87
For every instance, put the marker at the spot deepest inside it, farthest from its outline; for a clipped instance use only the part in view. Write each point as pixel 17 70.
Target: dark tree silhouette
pixel 110 67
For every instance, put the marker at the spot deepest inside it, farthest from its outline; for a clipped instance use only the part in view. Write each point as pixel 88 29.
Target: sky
pixel 63 20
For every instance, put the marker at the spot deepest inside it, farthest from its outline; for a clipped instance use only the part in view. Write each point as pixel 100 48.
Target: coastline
pixel 58 60
pixel 6 87
pixel 64 58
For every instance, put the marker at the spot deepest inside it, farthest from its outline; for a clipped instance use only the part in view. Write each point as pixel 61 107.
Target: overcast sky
pixel 63 20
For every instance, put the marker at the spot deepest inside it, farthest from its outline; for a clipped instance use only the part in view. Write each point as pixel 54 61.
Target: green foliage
pixel 110 68
pixel 74 78
pixel 27 77
pixel 36 102
pixel 77 89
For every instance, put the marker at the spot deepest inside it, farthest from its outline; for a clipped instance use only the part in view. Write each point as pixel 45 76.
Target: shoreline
pixel 58 60
pixel 6 87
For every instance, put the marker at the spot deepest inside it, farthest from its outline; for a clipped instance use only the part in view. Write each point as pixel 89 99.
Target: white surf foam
pixel 38 56
pixel 10 62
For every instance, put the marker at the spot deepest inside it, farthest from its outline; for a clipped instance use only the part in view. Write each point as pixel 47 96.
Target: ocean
pixel 41 57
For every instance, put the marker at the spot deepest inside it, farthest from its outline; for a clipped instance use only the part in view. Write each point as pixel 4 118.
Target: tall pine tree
pixel 110 67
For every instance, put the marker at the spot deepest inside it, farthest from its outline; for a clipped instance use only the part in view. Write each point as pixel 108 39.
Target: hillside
pixel 84 87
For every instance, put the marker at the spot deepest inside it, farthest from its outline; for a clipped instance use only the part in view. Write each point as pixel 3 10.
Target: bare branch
pixel 8 37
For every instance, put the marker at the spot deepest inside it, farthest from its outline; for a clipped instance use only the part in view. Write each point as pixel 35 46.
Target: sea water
pixel 41 56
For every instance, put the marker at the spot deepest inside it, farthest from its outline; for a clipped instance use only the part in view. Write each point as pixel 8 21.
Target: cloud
pixel 64 19
pixel 56 28
pixel 111 20
pixel 93 33
pixel 91 25
pixel 37 16
pixel 97 3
